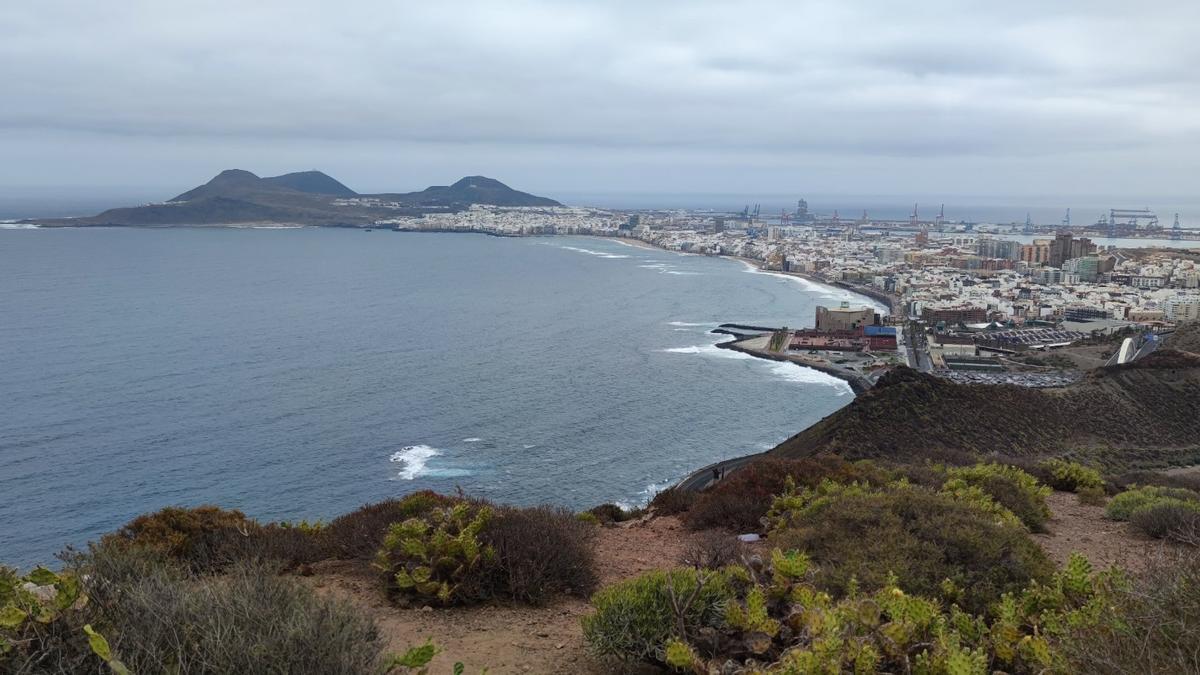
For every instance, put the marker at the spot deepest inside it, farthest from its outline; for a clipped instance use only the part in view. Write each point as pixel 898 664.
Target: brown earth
pixel 1079 528
pixel 509 638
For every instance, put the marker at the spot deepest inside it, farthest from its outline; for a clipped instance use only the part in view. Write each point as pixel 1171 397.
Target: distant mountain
pixel 236 181
pixel 313 182
pixel 476 190
pixel 304 198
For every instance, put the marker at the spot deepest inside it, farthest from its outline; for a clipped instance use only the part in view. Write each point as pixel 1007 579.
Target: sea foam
pixel 414 459
pixel 599 254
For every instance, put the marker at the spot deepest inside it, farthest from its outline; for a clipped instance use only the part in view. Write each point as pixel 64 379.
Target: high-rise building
pixel 844 318
pixel 1006 249
pixel 1185 308
pixel 1036 253
pixel 1064 247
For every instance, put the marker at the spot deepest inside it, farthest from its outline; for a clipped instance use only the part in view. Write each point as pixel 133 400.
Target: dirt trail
pixel 1076 527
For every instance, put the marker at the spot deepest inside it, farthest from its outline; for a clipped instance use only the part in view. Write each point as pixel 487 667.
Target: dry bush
pixel 713 549
pixel 672 501
pixel 540 552
pixel 739 501
pixel 1171 520
pixel 1158 630
pixel 607 514
pixel 1129 479
pixel 178 533
pixel 359 534
pixel 159 618
pixel 275 545
pixel 1092 496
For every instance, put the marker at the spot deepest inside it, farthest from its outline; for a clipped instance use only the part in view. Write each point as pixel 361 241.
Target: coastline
pixel 701 478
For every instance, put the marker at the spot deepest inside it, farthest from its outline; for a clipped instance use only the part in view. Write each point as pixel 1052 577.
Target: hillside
pixel 1133 416
pixel 236 196
pixel 474 190
pixel 1186 338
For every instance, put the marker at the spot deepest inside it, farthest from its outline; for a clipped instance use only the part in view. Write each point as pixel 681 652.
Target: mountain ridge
pixel 238 196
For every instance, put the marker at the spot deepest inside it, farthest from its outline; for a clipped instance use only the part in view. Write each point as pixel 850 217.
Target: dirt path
pixel 1076 527
pixel 510 638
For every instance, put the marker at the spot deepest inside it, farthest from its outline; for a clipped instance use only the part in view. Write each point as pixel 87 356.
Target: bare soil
pixel 1079 528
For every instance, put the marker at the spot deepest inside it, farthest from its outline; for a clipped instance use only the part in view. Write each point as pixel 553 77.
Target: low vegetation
pixel 469 551
pixel 740 501
pixel 1160 512
pixel 775 617
pixel 1008 486
pixel 1069 476
pixel 955 545
pixel 128 609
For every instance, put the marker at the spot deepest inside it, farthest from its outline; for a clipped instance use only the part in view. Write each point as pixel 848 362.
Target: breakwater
pixel 858 383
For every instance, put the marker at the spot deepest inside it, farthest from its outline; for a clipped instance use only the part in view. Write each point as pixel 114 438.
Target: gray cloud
pixel 957 96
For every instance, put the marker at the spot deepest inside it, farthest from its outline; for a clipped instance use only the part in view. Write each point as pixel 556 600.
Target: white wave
pixel 686 323
pixel 708 350
pixel 643 498
pixel 414 459
pixel 472 439
pixel 793 372
pixel 17 226
pixel 529 446
pixel 599 254
pixel 682 274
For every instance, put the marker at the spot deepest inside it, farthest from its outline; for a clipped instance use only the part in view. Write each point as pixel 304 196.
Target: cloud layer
pixel 864 97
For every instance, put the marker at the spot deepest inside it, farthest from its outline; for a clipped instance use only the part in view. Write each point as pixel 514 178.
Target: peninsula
pixel 238 197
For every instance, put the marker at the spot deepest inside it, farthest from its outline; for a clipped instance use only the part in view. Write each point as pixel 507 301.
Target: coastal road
pixel 702 478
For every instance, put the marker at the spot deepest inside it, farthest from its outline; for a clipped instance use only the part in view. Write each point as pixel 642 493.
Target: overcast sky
pixel 992 98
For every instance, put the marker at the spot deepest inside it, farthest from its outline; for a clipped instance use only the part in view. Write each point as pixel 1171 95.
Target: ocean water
pixel 299 373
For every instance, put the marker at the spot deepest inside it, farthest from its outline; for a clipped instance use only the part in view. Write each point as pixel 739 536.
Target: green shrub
pixel 44 624
pixel 739 501
pixel 1062 474
pixel 862 536
pixel 539 552
pixel 635 618
pixel 1092 496
pixel 359 534
pixel 773 619
pixel 438 557
pixel 1124 505
pixel 1010 487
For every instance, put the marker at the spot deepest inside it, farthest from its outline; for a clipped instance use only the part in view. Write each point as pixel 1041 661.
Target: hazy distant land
pixel 305 198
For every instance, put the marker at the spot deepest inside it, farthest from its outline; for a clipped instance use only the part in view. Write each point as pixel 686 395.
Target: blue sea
pixel 300 373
